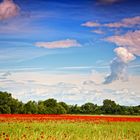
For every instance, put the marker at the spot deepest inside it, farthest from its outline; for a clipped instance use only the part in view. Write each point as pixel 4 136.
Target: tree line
pixel 10 105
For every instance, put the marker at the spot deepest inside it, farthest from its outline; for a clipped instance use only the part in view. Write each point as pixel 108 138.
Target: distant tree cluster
pixel 9 105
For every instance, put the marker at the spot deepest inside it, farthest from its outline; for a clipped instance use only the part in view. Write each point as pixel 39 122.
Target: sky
pixel 74 51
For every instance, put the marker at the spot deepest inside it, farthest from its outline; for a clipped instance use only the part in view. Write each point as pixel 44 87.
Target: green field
pixel 69 130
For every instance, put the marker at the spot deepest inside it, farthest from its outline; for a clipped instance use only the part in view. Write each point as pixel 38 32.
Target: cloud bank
pixel 71 88
pixel 59 44
pixel 8 9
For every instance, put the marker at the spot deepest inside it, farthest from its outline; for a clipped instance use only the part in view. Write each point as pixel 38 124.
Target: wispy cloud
pixel 135 66
pixel 97 31
pixel 91 24
pixel 5 75
pixel 84 67
pixel 8 9
pixel 76 68
pixel 59 44
pixel 126 22
pixel 108 1
pixel 19 25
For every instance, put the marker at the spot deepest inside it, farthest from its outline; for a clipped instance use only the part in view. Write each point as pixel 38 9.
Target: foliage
pixel 9 105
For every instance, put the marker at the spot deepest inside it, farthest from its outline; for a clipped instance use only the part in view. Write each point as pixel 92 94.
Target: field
pixel 69 127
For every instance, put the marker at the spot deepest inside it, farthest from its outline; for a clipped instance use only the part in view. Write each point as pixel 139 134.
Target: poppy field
pixel 68 127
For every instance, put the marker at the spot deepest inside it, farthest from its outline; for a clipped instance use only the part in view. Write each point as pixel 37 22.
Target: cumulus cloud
pixel 124 55
pixel 59 44
pixel 118 71
pixel 8 9
pixel 129 43
pixel 119 65
pixel 130 40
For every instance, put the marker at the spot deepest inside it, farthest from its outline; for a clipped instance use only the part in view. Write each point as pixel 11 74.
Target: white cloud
pixel 130 40
pixel 97 31
pixel 5 75
pixel 71 88
pixel 119 65
pixel 91 24
pixel 129 43
pixel 126 22
pixel 124 55
pixel 58 44
pixel 75 68
pixel 8 9
pixel 118 71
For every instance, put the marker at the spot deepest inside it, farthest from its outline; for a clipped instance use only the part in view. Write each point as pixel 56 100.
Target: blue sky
pixel 46 44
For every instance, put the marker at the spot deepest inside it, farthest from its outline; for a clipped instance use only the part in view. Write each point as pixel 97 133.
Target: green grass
pixel 68 130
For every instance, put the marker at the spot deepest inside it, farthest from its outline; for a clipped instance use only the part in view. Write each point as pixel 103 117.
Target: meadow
pixel 69 127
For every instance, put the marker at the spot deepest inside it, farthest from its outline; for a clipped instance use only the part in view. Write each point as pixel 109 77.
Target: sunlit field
pixel 68 127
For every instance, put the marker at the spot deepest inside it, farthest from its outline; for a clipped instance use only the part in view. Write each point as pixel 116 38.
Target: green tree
pixel 41 107
pixel 65 106
pixel 31 107
pixel 5 102
pixel 88 108
pixel 109 107
pixel 50 102
pixel 75 109
pixel 60 109
pixel 52 107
